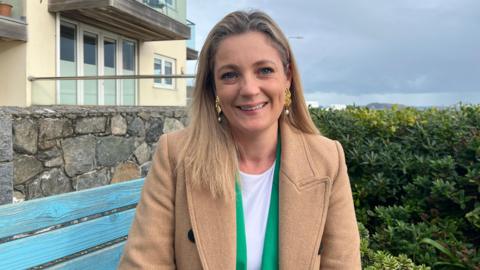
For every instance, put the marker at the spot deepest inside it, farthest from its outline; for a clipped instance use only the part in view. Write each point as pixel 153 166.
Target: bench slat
pixel 105 259
pixel 45 212
pixel 45 247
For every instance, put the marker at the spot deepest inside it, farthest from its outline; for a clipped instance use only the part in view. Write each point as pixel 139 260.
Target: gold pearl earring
pixel 288 101
pixel 218 109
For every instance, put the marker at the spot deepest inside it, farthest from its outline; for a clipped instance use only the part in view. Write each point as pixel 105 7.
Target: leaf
pixel 438 246
pixel 447 265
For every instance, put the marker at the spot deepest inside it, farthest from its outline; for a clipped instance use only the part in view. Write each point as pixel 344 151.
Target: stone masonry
pixel 6 158
pixel 56 149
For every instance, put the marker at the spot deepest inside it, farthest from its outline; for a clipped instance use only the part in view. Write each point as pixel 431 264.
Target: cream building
pixel 44 40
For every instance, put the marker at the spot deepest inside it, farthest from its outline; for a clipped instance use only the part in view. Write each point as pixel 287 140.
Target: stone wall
pixel 6 158
pixel 57 149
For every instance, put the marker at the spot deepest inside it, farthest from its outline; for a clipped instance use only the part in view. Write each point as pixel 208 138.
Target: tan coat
pixel 178 227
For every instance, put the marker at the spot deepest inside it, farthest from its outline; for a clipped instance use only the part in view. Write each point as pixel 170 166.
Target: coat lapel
pixel 303 202
pixel 214 228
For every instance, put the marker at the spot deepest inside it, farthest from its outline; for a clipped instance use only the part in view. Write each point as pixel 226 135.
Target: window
pixel 88 51
pixel 68 63
pixel 67 44
pixel 109 68
pixel 90 68
pixel 164 66
pixel 128 69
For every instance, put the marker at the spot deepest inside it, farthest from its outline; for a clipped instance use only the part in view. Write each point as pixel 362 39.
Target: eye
pixel 230 75
pixel 265 70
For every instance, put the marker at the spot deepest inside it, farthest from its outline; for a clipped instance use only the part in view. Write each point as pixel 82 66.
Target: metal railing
pixel 112 77
pixel 104 90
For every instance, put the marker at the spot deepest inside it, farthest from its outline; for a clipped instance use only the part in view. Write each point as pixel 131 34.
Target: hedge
pixel 415 177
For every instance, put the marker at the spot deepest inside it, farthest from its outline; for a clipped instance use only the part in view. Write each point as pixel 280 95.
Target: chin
pixel 253 128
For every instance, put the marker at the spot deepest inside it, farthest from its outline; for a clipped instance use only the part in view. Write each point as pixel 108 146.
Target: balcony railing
pixel 98 90
pixel 109 77
pixel 132 18
pixel 191 41
pixel 175 10
pixel 192 53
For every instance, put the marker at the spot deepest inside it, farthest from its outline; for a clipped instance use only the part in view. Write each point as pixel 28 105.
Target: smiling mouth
pixel 252 108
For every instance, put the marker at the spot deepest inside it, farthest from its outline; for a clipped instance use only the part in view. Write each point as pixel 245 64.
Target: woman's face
pixel 250 81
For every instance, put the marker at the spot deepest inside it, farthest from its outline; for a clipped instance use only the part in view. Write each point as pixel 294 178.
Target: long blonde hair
pixel 210 155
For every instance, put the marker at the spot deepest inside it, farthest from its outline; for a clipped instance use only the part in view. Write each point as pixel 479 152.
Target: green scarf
pixel 270 245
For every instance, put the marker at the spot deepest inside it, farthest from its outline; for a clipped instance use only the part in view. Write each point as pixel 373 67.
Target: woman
pixel 250 184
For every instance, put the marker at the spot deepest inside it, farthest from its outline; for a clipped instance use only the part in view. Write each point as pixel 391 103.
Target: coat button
pixel 190 235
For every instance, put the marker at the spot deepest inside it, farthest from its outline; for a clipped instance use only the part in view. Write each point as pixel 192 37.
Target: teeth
pixel 249 108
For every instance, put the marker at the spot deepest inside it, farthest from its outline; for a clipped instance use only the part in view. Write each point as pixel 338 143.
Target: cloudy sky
pixel 413 52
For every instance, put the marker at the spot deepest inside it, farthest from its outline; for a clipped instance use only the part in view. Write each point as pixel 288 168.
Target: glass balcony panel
pixel 13 26
pixel 145 20
pixel 191 41
pixel 18 8
pixel 192 54
pixel 175 9
pixel 126 90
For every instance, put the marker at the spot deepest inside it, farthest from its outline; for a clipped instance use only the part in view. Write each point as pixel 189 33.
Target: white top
pixel 256 191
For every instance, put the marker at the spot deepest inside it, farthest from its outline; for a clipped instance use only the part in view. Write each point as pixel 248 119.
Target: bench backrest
pixel 79 230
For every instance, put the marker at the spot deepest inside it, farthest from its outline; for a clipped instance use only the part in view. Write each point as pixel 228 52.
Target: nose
pixel 249 86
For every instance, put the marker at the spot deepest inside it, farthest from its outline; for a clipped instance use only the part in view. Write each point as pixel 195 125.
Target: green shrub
pixel 382 260
pixel 415 175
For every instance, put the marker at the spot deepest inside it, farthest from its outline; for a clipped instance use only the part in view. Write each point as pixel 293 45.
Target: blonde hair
pixel 210 155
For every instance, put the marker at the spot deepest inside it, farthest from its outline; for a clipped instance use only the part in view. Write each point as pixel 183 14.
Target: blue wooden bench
pixel 79 230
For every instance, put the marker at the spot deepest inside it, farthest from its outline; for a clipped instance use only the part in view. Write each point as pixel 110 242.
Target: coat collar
pixel 302 208
pixel 303 201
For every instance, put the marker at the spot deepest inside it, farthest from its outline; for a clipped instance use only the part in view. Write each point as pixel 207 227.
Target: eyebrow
pixel 262 62
pixel 227 66
pixel 258 63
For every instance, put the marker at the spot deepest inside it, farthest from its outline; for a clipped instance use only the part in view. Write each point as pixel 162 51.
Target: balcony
pixel 140 20
pixel 192 53
pixel 13 26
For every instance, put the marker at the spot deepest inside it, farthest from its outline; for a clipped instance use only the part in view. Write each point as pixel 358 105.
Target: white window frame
pixel 81 28
pixel 164 59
